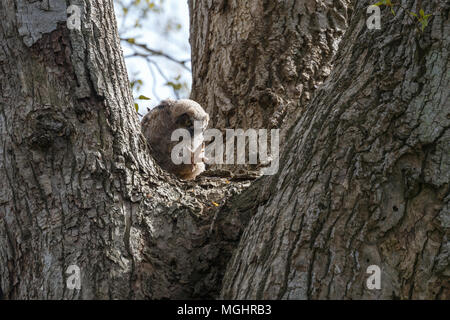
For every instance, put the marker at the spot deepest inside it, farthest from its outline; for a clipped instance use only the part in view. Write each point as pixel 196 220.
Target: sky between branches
pixel 164 28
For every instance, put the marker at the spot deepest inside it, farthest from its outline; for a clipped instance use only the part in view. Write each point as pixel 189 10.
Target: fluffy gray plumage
pixel 158 125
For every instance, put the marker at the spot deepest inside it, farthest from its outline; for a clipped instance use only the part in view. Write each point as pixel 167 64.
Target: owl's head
pixel 167 117
pixel 185 113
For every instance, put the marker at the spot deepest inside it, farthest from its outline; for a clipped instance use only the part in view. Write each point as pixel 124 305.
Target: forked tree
pixel 363 179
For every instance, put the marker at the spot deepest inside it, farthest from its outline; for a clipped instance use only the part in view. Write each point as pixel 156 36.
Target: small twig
pixel 163 75
pixel 213 222
pixel 412 20
pixel 154 81
pixel 156 52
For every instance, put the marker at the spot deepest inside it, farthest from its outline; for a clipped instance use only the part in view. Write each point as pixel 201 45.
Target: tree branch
pixel 154 52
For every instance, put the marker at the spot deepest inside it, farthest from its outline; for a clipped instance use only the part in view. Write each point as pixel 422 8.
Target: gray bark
pixel 366 178
pixel 363 179
pixel 256 64
pixel 70 154
pixel 77 184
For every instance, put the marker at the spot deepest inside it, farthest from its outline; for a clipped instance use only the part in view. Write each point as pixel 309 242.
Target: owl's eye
pixel 188 123
pixel 184 120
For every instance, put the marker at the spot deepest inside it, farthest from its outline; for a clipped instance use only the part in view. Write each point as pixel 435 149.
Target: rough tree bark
pixel 366 177
pixel 70 153
pixel 257 63
pixel 77 184
pixel 363 165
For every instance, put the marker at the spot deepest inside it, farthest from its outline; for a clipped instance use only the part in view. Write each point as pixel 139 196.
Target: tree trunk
pixel 77 184
pixel 71 153
pixel 257 63
pixel 365 177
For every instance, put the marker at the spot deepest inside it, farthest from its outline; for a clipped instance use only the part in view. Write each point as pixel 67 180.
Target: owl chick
pixel 159 124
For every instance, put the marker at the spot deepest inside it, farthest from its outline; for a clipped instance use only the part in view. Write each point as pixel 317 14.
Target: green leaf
pixel 137 24
pixel 424 24
pixel 131 40
pixel 136 83
pixel 413 14
pixel 422 13
pixel 175 86
pixel 142 97
pixel 136 106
